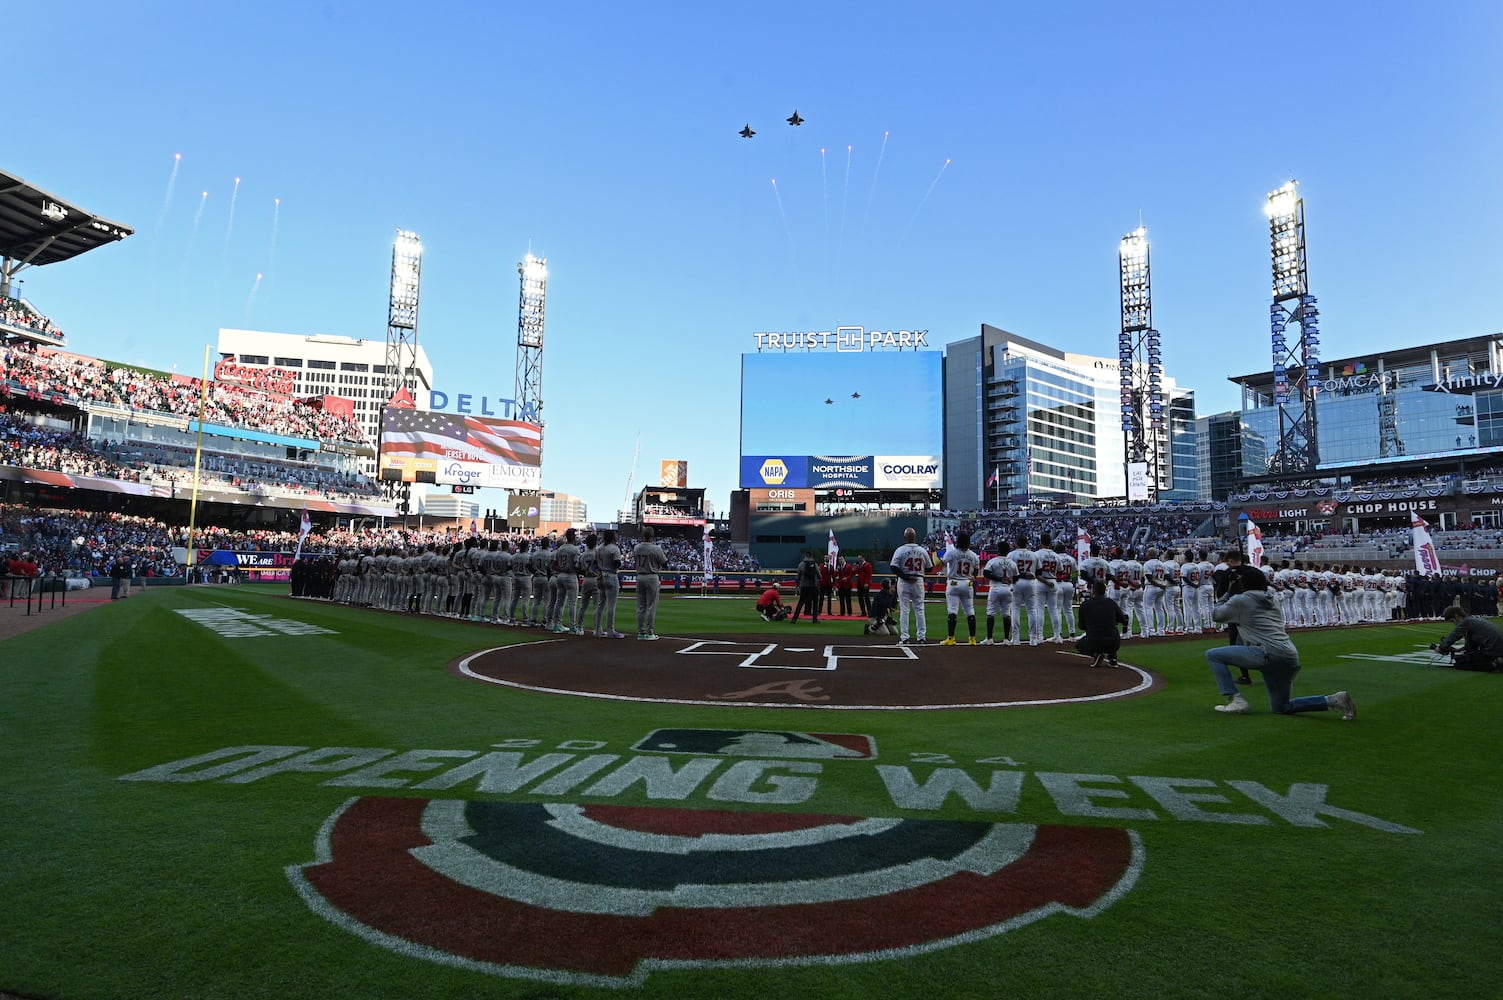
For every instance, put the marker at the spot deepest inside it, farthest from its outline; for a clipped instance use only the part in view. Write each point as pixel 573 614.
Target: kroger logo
pixel 460 474
pixel 774 471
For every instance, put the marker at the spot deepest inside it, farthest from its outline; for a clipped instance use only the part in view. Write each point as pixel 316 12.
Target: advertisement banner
pixel 906 472
pixel 1137 481
pixel 759 471
pixel 853 471
pixel 674 473
pixel 510 450
pixel 455 473
pixel 522 513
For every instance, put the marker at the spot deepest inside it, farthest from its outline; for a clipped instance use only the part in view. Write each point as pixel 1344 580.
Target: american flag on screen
pixel 431 434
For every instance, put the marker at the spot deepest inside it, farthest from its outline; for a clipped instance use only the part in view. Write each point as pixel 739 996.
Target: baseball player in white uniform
pixel 1002 572
pixel 910 561
pixel 960 594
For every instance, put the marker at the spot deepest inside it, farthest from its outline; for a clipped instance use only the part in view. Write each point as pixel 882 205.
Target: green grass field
pixel 1287 857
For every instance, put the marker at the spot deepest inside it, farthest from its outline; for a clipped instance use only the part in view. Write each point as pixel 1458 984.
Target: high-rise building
pixel 1047 423
pixel 1436 403
pixel 561 507
pixel 326 365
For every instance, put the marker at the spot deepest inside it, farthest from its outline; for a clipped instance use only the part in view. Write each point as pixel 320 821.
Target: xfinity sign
pixel 1467 383
pixel 843 339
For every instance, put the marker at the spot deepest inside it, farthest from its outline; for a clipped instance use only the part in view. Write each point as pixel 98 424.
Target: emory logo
pixel 774 471
pixel 601 895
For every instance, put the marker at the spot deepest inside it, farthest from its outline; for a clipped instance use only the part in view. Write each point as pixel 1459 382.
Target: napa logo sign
pixel 790 471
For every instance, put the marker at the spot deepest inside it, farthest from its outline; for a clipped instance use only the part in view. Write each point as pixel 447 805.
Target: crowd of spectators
pixel 41 372
pixel 29 445
pixel 84 545
pixel 1114 533
pixel 15 312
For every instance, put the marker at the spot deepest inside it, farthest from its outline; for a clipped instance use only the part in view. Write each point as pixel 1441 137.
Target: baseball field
pixel 224 792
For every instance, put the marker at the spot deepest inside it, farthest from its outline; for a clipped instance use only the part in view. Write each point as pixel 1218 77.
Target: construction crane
pixel 627 507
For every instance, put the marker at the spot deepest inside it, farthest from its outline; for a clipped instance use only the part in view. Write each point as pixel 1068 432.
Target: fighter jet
pixel 829 401
pixel 795 119
pixel 855 395
pixel 748 132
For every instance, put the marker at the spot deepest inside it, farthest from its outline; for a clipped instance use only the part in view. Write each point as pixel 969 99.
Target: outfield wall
pixel 778 541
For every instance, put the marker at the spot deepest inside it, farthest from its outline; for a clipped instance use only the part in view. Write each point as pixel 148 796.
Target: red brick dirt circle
pixel 768 671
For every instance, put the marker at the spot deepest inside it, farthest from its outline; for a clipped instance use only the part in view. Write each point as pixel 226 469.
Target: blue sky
pixel 604 137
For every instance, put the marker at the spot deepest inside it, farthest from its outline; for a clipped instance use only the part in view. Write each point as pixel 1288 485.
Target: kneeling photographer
pixel 1483 649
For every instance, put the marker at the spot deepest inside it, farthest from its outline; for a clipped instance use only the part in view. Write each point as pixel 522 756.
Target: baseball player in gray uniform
pixel 541 573
pixel 566 582
pixel 589 588
pixel 521 585
pixel 608 560
pixel 650 560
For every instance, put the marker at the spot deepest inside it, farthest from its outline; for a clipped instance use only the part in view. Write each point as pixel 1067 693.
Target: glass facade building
pixel 1435 401
pixel 1048 425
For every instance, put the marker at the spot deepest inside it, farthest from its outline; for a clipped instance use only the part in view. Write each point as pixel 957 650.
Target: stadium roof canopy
pixel 41 228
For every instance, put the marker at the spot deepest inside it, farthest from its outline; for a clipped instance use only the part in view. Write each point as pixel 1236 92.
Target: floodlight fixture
pixel 406 278
pixel 531 316
pixel 1294 334
pixel 1286 241
pixel 1139 357
pixel 534 300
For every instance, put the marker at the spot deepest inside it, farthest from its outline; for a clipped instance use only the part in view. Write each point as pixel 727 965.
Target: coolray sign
pixel 484 406
pixel 844 339
pixel 907 472
pixel 1467 383
pixel 855 471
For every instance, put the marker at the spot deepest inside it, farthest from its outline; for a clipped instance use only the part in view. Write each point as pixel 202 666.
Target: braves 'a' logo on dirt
pixel 604 895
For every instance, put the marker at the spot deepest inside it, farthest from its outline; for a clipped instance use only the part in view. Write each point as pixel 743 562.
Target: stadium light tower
pixel 402 311
pixel 401 333
pixel 1140 362
pixel 1296 364
pixel 530 316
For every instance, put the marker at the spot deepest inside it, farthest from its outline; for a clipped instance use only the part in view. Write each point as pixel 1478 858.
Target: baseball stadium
pixel 267 730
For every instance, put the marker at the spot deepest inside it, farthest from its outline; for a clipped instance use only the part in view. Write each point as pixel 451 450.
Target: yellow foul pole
pixel 198 454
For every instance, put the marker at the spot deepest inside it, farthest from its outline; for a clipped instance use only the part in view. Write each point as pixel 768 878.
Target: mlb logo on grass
pixel 761 743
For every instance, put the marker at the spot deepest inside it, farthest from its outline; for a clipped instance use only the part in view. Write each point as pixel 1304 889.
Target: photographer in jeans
pixel 1263 646
pixel 1484 642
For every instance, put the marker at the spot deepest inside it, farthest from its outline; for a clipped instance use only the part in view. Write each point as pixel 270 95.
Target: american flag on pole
pixel 431 434
pixel 1426 561
pixel 1254 543
pixel 302 533
pixel 709 551
pixel 832 550
pixel 995 477
pixel 1082 544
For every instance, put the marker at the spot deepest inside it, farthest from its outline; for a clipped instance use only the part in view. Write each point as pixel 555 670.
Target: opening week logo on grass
pixel 604 894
